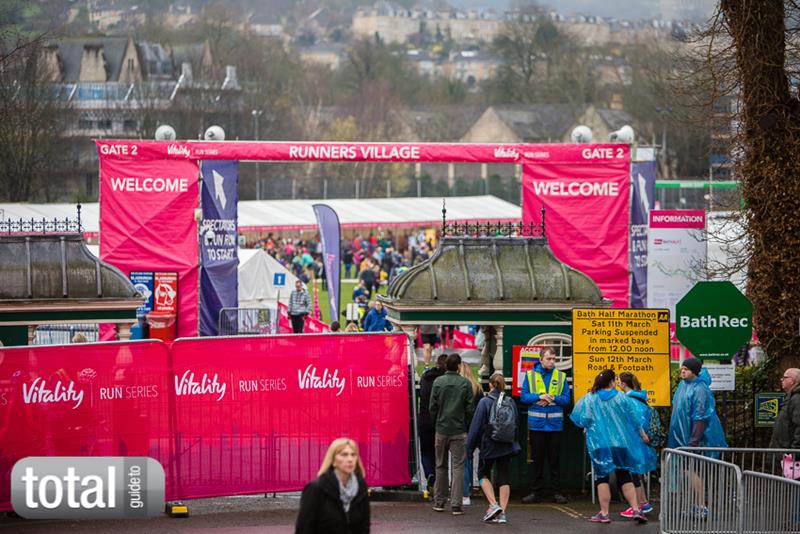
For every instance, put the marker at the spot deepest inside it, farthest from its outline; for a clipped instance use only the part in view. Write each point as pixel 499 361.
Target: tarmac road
pixel 257 514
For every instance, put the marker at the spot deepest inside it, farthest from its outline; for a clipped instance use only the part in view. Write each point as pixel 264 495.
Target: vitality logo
pixel 87 487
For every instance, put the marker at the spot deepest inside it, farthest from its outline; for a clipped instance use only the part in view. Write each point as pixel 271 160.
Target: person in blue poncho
pixel 694 421
pixel 615 440
pixel 630 385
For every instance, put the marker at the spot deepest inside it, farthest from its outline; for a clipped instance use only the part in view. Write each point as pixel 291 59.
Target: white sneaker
pixel 465 501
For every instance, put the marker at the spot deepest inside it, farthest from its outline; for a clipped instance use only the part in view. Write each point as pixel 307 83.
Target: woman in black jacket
pixel 336 502
pixel 493 453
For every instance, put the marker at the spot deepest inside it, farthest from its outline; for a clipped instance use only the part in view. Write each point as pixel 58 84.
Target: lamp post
pixel 256 113
pixel 662 113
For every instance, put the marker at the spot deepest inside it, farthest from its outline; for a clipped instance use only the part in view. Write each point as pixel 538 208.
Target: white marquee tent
pixel 295 215
pixel 257 271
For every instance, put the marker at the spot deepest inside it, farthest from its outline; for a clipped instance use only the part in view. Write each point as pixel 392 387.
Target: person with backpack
pixel 494 432
pixel 629 385
pixel 546 392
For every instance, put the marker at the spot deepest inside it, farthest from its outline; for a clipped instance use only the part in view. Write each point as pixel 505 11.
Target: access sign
pixel 714 320
pixel 633 340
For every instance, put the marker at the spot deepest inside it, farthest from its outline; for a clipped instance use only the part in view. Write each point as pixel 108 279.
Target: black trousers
pixel 545 448
pixel 298 322
pixel 427 446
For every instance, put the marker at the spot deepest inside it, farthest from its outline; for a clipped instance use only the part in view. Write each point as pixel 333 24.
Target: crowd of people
pixel 375 259
pixel 622 432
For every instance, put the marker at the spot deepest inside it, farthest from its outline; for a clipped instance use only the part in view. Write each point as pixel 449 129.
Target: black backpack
pixel 502 420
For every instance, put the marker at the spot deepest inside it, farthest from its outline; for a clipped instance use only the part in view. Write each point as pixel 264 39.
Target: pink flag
pixel 463 340
pixel 317 312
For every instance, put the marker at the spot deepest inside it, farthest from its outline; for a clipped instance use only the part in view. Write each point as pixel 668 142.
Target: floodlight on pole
pixel 581 134
pixel 214 133
pixel 165 132
pixel 623 135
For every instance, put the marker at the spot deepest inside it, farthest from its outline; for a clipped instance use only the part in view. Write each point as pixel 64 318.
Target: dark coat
pixel 425 387
pixel 452 404
pixel 786 434
pixel 321 510
pixel 478 431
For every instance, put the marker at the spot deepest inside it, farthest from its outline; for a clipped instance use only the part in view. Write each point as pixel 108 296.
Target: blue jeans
pixel 467 476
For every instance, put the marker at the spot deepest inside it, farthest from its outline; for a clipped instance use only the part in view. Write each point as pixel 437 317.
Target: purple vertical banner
pixel 643 176
pixel 330 237
pixel 218 243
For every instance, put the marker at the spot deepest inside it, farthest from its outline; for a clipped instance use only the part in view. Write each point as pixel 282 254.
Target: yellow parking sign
pixel 633 340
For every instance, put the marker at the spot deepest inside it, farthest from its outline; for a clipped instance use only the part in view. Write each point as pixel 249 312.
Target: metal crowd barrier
pixel 699 494
pixel 62 334
pixel 758 460
pixel 721 491
pixel 771 504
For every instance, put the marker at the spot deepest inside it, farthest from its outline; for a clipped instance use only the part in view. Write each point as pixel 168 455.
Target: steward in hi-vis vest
pixel 546 392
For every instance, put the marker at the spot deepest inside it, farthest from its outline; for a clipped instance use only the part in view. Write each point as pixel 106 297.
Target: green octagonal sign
pixel 714 320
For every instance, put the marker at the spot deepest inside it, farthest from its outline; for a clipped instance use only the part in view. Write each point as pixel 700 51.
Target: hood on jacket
pixel 640 395
pixel 607 394
pixel 704 377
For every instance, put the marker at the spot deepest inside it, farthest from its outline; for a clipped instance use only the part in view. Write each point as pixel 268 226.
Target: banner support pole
pixel 412 381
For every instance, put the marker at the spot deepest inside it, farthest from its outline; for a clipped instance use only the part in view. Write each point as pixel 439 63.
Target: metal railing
pixel 737 491
pixel 768 461
pixel 771 504
pixel 247 321
pixel 62 334
pixel 699 494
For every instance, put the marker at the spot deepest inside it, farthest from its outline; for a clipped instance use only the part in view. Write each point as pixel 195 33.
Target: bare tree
pixel 34 115
pixel 748 54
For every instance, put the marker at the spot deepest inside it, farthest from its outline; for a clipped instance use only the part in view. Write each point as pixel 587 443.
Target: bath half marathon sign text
pixel 633 340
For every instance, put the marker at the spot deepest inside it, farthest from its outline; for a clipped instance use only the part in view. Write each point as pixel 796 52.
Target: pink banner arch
pixel 149 193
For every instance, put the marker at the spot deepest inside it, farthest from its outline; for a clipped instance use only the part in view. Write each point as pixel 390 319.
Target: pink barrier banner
pixel 319 151
pixel 99 399
pixel 261 417
pixel 312 326
pixel 462 340
pixel 587 203
pixel 227 416
pixel 147 223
